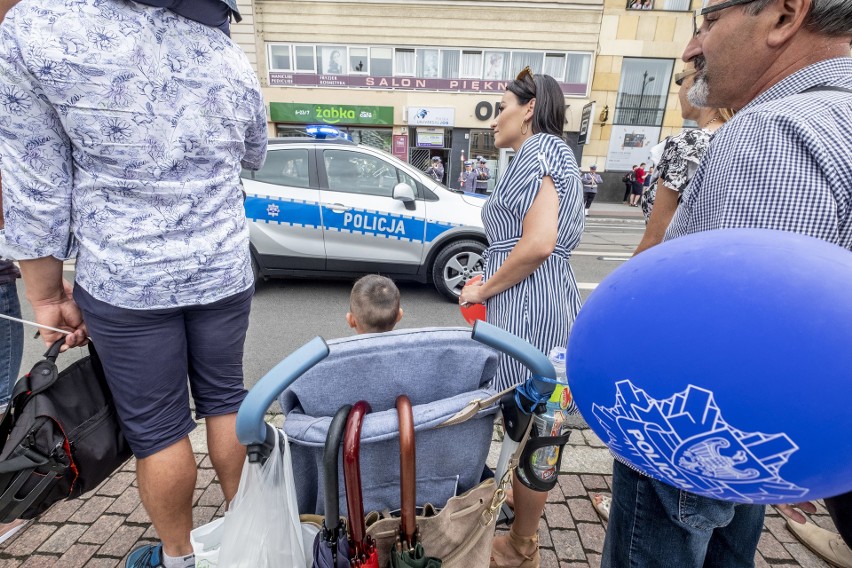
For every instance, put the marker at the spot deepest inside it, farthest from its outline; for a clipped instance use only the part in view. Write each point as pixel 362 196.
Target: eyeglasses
pixel 525 72
pixel 698 15
pixel 682 76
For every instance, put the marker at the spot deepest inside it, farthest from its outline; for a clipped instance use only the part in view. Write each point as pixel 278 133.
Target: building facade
pixel 422 79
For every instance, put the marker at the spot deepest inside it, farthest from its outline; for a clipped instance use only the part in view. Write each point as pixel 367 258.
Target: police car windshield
pixel 421 177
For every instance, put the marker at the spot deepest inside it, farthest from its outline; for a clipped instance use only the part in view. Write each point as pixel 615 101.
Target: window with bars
pixel 643 91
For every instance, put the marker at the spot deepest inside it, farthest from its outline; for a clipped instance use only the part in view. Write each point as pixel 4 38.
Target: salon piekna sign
pixel 330 114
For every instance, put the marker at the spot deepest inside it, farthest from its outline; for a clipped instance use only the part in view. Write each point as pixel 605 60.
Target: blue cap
pixel 468 162
pixel 436 158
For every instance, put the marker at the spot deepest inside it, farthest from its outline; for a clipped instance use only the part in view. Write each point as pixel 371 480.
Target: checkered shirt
pixel 784 162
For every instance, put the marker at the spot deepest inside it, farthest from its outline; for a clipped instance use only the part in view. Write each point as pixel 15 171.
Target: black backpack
pixel 59 437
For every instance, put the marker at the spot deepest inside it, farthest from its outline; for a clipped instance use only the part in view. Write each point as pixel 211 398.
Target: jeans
pixel 588 197
pixel 11 341
pixel 652 524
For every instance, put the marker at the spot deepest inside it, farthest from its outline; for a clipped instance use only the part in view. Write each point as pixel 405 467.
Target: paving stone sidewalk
pixel 101 528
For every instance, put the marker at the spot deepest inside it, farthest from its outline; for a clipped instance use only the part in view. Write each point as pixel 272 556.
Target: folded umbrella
pixel 407 552
pixel 331 547
pixel 362 549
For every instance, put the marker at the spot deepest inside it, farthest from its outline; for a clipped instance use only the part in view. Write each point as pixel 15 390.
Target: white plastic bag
pixel 205 541
pixel 261 529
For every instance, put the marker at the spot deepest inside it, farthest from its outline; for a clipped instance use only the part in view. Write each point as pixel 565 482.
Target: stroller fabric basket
pixel 440 369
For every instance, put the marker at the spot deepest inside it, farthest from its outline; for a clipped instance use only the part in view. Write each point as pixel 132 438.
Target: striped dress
pixel 541 307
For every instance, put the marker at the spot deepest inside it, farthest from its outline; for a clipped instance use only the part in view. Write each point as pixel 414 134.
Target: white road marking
pixel 587 285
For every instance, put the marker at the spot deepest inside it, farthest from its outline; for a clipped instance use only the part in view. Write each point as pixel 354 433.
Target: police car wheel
pixel 255 270
pixel 457 263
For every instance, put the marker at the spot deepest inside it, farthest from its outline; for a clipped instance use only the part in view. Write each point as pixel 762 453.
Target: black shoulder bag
pixel 59 438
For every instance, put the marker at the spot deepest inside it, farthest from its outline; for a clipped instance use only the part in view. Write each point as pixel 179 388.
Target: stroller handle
pixel 251 428
pixel 517 348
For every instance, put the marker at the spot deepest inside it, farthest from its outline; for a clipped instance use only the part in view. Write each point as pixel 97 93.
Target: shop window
pixel 305 60
pixel 331 59
pixel 427 63
pixel 404 62
pixel 521 59
pixel 381 61
pixel 285 167
pixel 359 64
pixel 643 91
pixel 359 173
pixel 450 63
pixel 497 65
pixel 554 65
pixel 279 58
pixel 471 65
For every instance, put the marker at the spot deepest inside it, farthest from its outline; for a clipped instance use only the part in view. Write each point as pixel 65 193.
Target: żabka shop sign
pixel 286 79
pixel 330 114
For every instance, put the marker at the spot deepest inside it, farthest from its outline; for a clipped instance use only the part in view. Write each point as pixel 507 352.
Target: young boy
pixel 374 305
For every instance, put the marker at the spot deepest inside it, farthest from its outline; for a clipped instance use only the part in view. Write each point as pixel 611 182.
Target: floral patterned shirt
pixel 122 132
pixel 679 162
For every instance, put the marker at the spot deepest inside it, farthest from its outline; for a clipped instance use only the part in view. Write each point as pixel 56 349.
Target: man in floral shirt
pixel 124 133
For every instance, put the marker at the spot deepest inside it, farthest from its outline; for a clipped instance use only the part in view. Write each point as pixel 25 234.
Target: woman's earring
pixel 524 128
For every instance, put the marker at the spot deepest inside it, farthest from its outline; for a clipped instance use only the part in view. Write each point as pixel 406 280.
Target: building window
pixel 359 64
pixel 665 5
pixel 450 63
pixel 427 63
pixel 533 60
pixel 497 65
pixel 331 59
pixel 381 61
pixel 554 65
pixel 471 65
pixel 404 60
pixel 643 91
pixel 279 57
pixel 579 65
pixel 305 60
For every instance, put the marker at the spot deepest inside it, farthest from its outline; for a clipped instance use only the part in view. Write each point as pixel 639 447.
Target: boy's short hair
pixel 374 303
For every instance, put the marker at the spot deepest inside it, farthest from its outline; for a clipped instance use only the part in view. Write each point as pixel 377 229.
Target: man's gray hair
pixel 827 17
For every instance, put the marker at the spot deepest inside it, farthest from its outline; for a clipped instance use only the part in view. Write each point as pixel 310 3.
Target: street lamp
pixel 645 82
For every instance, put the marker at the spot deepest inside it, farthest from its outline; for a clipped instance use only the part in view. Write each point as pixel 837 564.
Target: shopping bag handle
pixel 515 347
pixel 407 470
pixel 352 474
pixel 251 428
pixel 329 460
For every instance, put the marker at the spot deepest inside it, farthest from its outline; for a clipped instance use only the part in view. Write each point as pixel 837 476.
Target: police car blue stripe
pixel 356 221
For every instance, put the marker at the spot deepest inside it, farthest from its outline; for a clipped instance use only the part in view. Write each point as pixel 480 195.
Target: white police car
pixel 322 207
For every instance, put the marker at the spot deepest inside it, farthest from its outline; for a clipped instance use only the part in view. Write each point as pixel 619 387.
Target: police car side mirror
pixel 405 193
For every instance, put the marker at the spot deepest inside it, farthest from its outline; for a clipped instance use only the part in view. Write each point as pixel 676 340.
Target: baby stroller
pixel 446 373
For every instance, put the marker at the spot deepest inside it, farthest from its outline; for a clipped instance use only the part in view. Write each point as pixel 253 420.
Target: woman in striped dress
pixel 533 220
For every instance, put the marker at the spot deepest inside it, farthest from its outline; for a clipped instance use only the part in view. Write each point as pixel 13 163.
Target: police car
pixel 322 207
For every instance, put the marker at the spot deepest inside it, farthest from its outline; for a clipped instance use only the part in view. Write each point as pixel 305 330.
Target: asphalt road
pixel 289 312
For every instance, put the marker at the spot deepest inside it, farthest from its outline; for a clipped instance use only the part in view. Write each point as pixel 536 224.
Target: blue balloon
pixel 721 363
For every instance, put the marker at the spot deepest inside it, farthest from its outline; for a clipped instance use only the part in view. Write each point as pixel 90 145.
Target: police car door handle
pixel 337 207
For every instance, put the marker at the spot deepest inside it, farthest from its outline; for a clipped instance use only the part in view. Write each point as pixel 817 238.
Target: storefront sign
pixel 400 146
pixel 586 124
pixel 431 116
pixel 288 79
pixel 485 110
pixel 631 145
pixel 330 114
pixel 430 137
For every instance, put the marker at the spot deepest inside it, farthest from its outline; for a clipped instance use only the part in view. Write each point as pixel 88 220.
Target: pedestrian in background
pixel 590 180
pixel 482 175
pixel 467 178
pixel 144 193
pixel 436 170
pixel 533 220
pixel 637 185
pixel 628 180
pixel 793 92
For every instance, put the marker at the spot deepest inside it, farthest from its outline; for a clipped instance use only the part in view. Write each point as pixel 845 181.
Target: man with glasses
pixel 785 66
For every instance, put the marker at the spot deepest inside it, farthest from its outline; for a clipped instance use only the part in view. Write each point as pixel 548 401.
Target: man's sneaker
pixel 148 556
pixel 8 530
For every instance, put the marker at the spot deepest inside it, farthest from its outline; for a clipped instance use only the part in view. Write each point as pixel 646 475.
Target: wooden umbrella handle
pixel 407 469
pixel 352 473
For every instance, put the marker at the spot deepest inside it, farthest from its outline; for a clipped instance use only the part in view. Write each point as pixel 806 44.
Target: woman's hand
pixel 473 294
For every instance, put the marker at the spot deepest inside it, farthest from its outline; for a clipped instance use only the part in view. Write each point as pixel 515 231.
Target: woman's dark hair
pixel 549 112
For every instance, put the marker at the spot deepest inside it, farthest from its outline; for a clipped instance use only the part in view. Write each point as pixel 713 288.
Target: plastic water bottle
pixel 554 420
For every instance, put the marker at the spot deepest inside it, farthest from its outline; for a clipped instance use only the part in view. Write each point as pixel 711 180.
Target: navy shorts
pixel 148 355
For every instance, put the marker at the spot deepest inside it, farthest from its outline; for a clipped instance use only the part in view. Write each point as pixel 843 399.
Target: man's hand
pixel 790 511
pixel 53 305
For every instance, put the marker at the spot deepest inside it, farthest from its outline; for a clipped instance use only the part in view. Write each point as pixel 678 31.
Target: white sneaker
pixel 587 212
pixel 827 545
